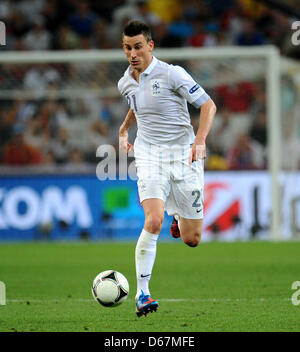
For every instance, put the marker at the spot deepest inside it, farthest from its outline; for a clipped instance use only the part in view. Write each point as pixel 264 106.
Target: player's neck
pixel 136 72
pixel 136 75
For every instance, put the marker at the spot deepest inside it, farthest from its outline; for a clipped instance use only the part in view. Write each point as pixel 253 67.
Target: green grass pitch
pixel 243 286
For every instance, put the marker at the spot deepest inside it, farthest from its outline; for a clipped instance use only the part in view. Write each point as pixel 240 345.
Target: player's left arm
pixel 207 114
pixel 183 84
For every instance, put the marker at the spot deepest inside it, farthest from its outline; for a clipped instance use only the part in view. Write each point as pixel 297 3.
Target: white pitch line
pixel 58 300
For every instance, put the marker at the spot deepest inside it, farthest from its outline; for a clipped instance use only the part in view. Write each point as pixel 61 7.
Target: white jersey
pixel 159 102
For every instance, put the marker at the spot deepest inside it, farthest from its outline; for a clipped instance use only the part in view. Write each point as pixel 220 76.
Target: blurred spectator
pixel 237 97
pixel 164 39
pixel 75 156
pixel 76 162
pixel 96 109
pixel 232 24
pixel 7 120
pixel 61 117
pixel 246 154
pixel 249 35
pixel 66 39
pixel 25 110
pixel 181 28
pixel 258 130
pixel 224 131
pixel 173 22
pixel 290 146
pixel 40 77
pixel 216 162
pixel 38 38
pixel 60 146
pixel 18 152
pixel 145 15
pixel 39 138
pixel 49 159
pixel 51 15
pixel 219 8
pixel 85 42
pixel 259 100
pixel 267 23
pixel 83 20
pixel 193 10
pixel 201 37
pixel 6 9
pixel 101 37
pixel 18 25
pixel 166 10
pixel 18 45
pixel 98 135
pixel 38 133
pixel 251 8
pixel 107 8
pixel 122 14
pixel 31 9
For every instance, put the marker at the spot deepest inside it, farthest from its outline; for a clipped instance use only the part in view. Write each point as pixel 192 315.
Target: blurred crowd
pixel 48 131
pixel 75 24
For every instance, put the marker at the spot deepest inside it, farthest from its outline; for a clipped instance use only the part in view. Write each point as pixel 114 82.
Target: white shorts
pixel 164 173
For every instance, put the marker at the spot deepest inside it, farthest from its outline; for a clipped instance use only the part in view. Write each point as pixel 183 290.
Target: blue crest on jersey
pixel 193 89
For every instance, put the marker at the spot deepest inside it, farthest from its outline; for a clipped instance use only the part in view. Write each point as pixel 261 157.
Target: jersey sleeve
pixel 122 90
pixel 121 86
pixel 186 86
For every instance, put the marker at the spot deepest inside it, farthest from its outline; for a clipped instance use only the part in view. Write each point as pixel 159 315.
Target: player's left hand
pixel 198 152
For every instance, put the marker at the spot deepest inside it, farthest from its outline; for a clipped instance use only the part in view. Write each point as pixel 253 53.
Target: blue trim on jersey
pixel 200 101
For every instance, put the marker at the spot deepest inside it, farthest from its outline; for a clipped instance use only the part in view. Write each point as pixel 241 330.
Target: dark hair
pixel 135 27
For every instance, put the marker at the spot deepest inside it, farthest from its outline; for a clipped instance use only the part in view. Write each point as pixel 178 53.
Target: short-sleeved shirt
pixel 159 101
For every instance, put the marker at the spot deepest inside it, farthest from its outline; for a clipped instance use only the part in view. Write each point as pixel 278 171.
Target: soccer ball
pixel 110 288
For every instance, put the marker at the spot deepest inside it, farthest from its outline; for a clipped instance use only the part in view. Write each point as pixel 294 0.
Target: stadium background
pixel 49 189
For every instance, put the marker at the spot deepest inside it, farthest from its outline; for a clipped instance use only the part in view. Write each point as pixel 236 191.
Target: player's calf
pixel 190 230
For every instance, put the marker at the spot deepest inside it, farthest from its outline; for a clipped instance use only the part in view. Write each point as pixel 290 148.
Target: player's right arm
pixel 123 132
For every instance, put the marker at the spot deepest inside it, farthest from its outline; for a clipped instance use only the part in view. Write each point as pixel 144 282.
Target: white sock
pixel 145 253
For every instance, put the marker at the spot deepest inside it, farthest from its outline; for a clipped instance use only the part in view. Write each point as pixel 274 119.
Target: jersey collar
pixel 151 66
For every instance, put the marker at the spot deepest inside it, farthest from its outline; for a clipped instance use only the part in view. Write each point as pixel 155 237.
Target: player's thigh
pixel 186 196
pixel 154 214
pixel 190 230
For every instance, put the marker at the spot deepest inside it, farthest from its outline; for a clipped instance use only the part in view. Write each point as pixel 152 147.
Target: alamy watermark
pixel 2 294
pixel 151 162
pixel 2 33
pixel 296 35
pixel 296 294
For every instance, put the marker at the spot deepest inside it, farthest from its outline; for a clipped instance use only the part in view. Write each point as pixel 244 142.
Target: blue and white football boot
pixel 145 304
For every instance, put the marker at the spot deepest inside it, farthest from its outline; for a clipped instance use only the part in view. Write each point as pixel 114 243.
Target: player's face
pixel 138 51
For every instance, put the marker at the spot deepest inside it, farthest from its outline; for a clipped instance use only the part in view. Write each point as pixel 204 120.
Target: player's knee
pixel 153 223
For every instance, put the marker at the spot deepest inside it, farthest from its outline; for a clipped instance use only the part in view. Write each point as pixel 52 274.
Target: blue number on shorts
pixel 197 193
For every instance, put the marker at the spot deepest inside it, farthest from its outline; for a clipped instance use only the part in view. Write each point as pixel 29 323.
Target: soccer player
pixel 169 157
